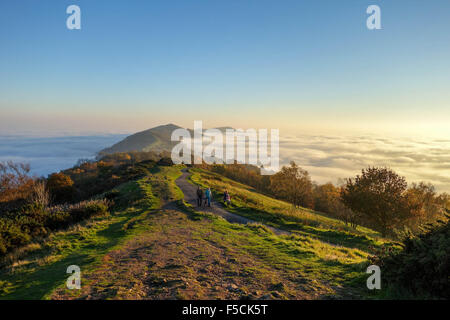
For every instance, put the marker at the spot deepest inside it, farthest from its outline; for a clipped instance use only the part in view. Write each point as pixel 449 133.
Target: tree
pixel 60 187
pixel 15 182
pixel 293 184
pixel 379 195
pixel 327 199
pixel 427 206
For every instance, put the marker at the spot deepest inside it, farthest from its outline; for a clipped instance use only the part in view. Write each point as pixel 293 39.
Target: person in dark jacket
pixel 199 197
pixel 226 198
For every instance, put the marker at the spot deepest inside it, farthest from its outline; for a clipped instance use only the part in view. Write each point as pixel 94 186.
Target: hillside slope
pixel 159 247
pixel 156 139
pixel 247 202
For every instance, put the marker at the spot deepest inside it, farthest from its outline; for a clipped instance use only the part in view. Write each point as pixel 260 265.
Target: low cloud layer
pixel 48 155
pixel 329 158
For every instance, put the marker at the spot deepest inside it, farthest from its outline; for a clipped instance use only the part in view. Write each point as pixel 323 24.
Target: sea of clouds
pixel 329 158
pixel 52 154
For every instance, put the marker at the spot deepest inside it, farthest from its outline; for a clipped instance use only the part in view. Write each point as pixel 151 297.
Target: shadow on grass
pixel 336 237
pixel 349 279
pixel 37 282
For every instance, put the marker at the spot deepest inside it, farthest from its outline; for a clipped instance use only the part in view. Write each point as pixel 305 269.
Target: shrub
pixel 165 162
pixel 422 266
pixel 58 219
pixel 91 179
pixel 11 235
pixel 60 187
pixel 80 211
pixel 113 194
pixel 92 209
pixel 20 227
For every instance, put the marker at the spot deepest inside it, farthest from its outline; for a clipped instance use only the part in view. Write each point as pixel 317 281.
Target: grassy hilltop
pixel 153 245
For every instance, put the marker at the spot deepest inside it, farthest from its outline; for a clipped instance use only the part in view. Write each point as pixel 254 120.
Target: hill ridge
pixel 157 139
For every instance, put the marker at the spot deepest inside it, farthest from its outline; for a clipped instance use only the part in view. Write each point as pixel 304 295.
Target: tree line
pixel 377 198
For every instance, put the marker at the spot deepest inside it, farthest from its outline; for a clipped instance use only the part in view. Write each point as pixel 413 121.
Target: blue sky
pixel 287 64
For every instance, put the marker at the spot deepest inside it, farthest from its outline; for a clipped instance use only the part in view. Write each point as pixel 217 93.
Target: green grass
pixel 183 246
pixel 245 201
pixel 163 182
pixel 166 253
pixel 316 264
pixel 41 267
pixel 320 248
pixel 313 261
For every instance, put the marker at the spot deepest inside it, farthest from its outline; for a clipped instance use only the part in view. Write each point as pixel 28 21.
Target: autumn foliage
pixel 61 187
pixel 15 184
pixel 379 195
pixel 294 185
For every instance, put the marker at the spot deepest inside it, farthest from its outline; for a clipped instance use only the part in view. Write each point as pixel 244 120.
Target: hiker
pixel 208 197
pixel 199 197
pixel 226 198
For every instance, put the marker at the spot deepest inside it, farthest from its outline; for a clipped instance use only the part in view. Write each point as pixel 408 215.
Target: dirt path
pixel 178 258
pixel 190 196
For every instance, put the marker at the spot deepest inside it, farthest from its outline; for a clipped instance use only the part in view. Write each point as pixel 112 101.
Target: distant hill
pixel 156 139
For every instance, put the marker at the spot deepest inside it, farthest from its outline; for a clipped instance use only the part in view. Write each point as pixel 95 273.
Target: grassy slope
pixel 248 203
pixel 40 267
pixel 145 251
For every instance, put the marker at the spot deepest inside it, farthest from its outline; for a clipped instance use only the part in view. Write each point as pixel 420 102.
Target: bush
pixel 20 227
pixel 60 187
pixel 88 209
pixel 11 236
pixel 80 211
pixel 91 179
pixel 58 220
pixel 165 162
pixel 113 194
pixel 422 266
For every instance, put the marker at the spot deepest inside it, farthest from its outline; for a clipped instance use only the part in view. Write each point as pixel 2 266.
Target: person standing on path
pixel 199 196
pixel 208 197
pixel 226 198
